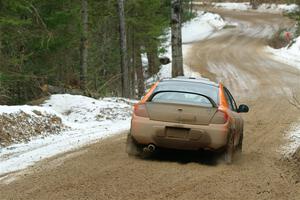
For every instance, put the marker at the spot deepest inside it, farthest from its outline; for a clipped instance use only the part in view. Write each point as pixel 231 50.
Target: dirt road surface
pixel 104 171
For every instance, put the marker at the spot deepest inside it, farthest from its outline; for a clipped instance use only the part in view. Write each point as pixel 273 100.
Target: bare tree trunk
pixel 139 71
pixel 123 52
pixel 191 6
pixel 151 63
pixel 177 61
pixel 1 65
pixel 84 45
pixel 254 4
pixel 1 58
pixel 153 60
pixel 132 58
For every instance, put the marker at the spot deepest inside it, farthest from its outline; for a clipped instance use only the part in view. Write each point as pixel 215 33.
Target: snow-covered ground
pixel 204 25
pixel 88 120
pixel 293 137
pixel 289 55
pixel 201 27
pixel 244 6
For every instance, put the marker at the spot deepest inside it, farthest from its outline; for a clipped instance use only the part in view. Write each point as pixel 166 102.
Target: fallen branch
pixel 113 78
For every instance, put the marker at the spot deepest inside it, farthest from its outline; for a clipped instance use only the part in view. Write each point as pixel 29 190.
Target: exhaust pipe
pixel 150 148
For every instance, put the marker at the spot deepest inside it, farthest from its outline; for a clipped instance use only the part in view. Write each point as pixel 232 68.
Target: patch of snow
pixel 233 6
pixel 89 120
pixel 289 54
pixel 244 6
pixel 293 136
pixel 277 8
pixel 269 8
pixel 79 111
pixel 26 109
pixel 144 59
pixel 201 27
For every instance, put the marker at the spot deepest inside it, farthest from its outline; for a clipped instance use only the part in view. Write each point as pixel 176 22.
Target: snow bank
pixel 88 120
pixel 30 110
pixel 270 8
pixel 79 111
pixel 199 28
pixel 289 55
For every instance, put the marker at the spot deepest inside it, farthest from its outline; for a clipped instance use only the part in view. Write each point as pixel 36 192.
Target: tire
pixel 229 152
pixel 240 145
pixel 132 148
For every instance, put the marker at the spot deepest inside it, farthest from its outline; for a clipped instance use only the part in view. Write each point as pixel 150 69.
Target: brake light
pixel 140 110
pixel 221 117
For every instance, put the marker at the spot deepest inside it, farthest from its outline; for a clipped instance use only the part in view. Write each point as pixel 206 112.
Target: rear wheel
pixel 240 145
pixel 229 152
pixel 132 148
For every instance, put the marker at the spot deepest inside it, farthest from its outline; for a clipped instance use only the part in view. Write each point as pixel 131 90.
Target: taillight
pixel 221 117
pixel 140 110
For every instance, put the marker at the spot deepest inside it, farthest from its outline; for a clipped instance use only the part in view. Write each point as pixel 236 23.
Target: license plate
pixel 177 132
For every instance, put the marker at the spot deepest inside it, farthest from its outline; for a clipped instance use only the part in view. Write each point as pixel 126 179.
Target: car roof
pixel 191 79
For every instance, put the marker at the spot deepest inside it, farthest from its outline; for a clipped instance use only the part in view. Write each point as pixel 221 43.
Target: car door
pixel 238 121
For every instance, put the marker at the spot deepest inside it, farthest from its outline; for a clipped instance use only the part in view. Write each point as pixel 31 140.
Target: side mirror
pixel 243 109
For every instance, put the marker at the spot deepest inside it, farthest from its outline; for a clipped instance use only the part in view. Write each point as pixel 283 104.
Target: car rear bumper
pixel 168 135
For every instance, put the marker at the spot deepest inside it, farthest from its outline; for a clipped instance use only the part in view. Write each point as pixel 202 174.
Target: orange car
pixel 188 114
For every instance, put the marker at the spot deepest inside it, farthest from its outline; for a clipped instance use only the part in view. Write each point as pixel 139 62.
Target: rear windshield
pixel 203 89
pixel 182 98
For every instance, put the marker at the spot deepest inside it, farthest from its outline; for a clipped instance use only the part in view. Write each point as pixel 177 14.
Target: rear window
pixel 182 98
pixel 189 87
